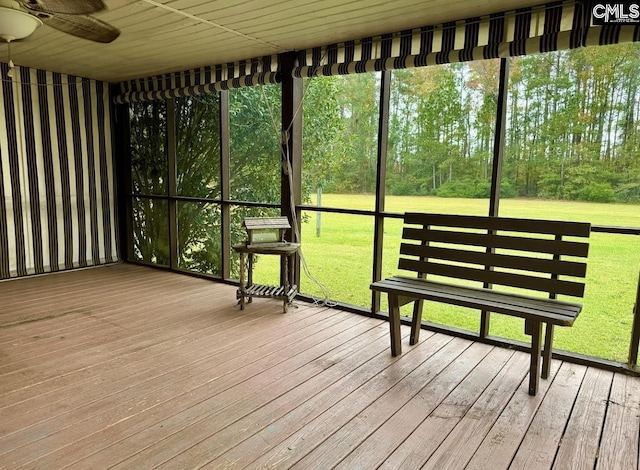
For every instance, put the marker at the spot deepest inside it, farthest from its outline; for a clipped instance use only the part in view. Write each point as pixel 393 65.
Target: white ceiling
pixel 159 36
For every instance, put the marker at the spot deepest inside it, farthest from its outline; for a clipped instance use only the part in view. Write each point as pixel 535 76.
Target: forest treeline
pixel 572 128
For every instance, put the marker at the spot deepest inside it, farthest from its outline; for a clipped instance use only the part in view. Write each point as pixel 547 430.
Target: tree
pixel 254 173
pixel 321 132
pixel 149 173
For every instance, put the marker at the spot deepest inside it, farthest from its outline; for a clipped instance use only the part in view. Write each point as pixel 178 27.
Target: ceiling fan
pixel 69 16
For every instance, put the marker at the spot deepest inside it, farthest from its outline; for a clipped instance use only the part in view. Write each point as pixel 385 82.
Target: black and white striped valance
pixel 551 27
pixel 612 34
pixel 57 185
pixel 210 79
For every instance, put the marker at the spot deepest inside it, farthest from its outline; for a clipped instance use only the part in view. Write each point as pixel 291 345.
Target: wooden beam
pixel 225 213
pixel 381 176
pixel 172 184
pixel 496 169
pixel 122 162
pixel 291 184
pixel 635 330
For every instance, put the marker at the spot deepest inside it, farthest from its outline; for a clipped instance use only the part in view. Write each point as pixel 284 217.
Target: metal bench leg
pixel 250 275
pixel 416 321
pixel 242 286
pixel 394 325
pixel 534 328
pixel 548 349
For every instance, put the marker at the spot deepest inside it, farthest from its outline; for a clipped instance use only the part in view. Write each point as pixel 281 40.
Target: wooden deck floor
pixel 129 367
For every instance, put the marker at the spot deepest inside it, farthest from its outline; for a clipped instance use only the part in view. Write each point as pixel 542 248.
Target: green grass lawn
pixel 341 258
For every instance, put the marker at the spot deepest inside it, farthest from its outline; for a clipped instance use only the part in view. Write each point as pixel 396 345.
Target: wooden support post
pixel 122 145
pixel 416 319
pixel 250 274
pixel 548 337
pixel 635 330
pixel 496 169
pixel 172 185
pixel 225 189
pixel 381 169
pixel 291 122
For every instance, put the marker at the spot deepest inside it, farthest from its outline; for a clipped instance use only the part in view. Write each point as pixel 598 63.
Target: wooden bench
pixel 493 251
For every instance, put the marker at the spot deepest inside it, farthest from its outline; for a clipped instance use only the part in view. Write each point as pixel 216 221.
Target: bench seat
pixel 534 308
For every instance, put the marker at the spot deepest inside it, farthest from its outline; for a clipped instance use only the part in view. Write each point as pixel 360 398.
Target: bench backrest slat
pixel 522 253
pixel 554 286
pixel 551 227
pixel 556 267
pixel 538 245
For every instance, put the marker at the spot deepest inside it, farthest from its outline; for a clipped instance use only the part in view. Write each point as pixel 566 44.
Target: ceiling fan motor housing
pixel 16 24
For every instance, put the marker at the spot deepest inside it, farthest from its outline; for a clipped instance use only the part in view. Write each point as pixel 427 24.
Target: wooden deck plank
pixel 109 330
pixel 538 448
pixel 343 442
pixel 64 301
pixel 353 370
pixel 107 308
pixel 160 369
pixel 44 377
pixel 461 443
pixel 172 362
pixel 428 358
pixel 131 414
pixel 581 439
pixel 619 445
pixel 180 435
pixel 426 420
pixel 501 443
pixel 285 442
pixel 167 341
pixel 33 318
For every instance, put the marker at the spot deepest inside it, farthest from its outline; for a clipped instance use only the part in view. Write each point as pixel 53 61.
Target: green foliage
pixel 254 119
pixel 321 132
pixel 149 169
pixel 149 173
pixel 596 192
pixel 254 173
pixel 629 192
pixel 198 175
pixel 198 146
pixel 349 119
pixel 404 185
pixel 474 189
pixel 465 188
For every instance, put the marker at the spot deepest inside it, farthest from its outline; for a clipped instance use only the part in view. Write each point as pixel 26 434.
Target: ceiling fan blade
pixel 82 26
pixel 67 7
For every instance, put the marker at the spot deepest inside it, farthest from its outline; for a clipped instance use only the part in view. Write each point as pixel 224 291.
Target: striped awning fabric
pixel 554 26
pixel 550 27
pixel 210 79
